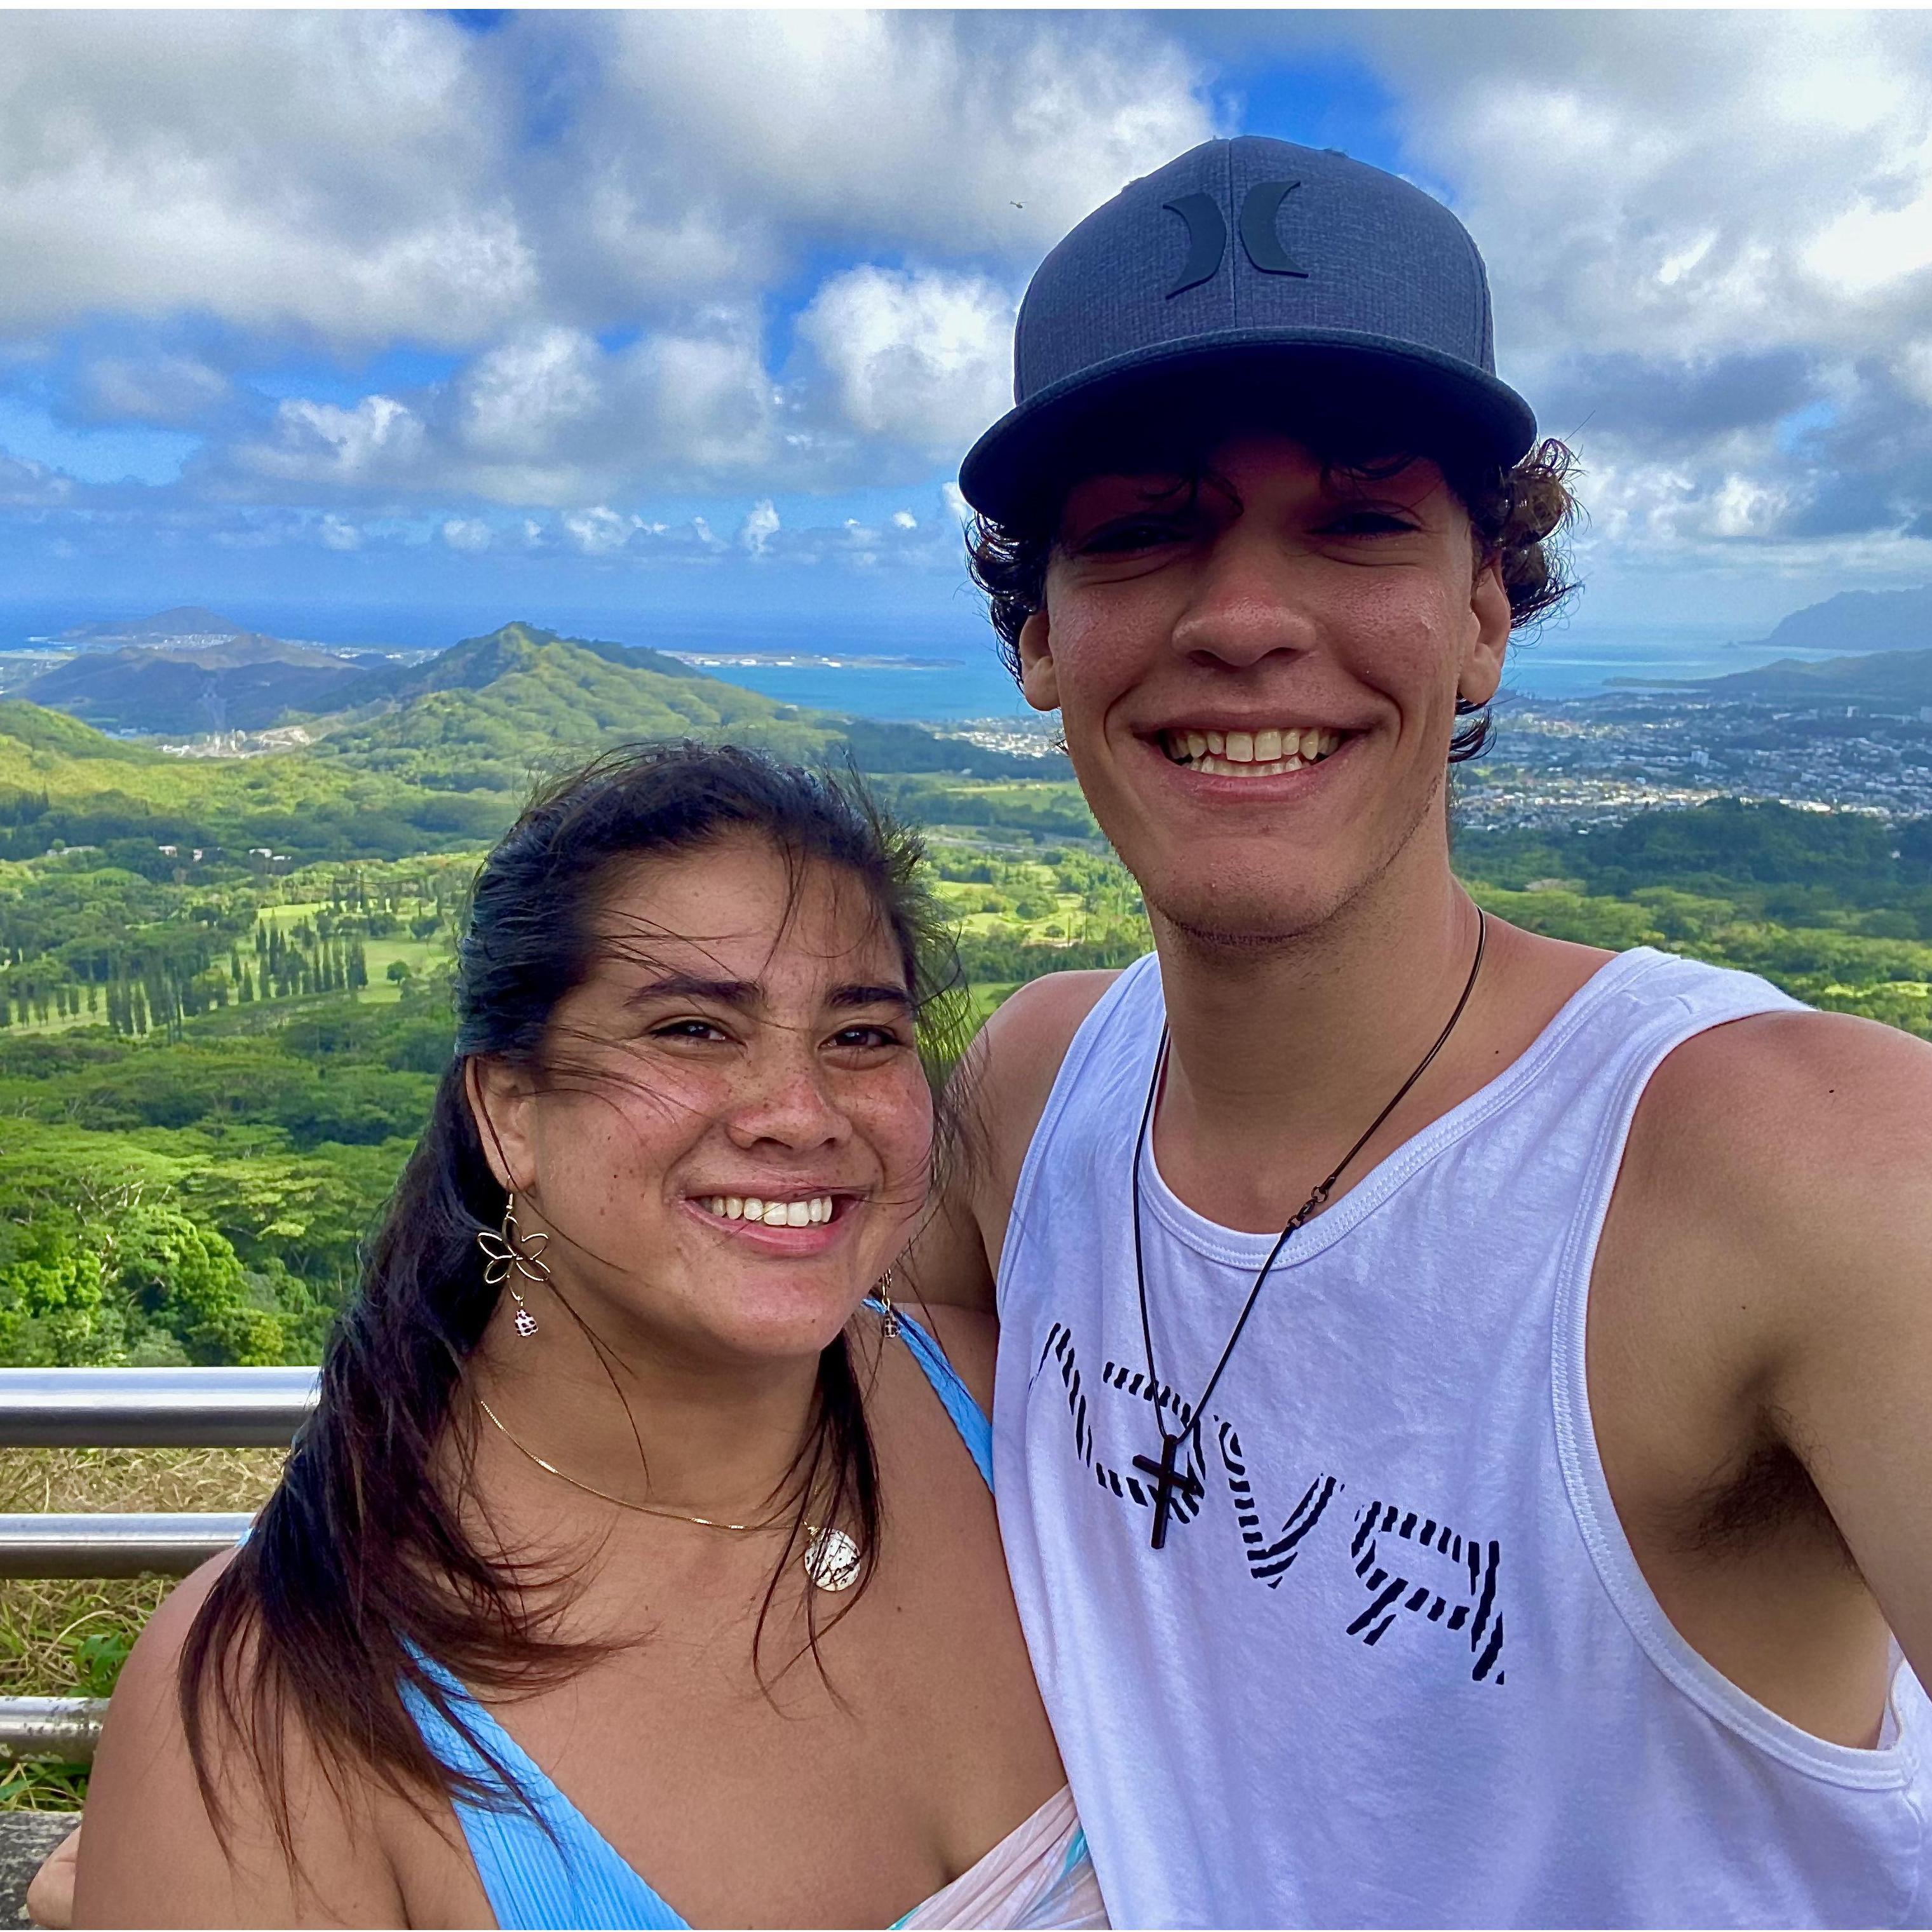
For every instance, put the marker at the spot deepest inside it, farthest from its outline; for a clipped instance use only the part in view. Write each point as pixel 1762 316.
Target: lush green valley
pixel 223 981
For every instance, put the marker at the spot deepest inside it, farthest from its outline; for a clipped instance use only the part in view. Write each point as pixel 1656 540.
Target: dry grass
pixel 62 1638
pixel 137 1479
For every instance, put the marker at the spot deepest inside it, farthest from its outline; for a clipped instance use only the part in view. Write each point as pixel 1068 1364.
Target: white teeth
pixel 806 1213
pixel 1251 754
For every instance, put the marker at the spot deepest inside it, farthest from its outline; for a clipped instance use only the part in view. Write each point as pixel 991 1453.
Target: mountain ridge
pixel 444 769
pixel 1892 677
pixel 246 683
pixel 1862 621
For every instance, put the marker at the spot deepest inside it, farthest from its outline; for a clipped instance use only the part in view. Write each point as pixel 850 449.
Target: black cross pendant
pixel 1166 1480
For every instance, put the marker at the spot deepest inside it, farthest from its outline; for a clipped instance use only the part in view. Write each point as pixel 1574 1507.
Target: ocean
pixel 1574 661
pixel 941 672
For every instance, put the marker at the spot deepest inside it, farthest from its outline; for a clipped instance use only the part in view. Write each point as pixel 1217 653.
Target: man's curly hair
pixel 1518 517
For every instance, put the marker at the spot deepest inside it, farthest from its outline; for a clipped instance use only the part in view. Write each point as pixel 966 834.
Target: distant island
pixel 187 624
pixel 1900 680
pixel 1858 620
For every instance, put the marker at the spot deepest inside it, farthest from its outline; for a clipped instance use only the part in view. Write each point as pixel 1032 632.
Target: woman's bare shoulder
pixel 153 1854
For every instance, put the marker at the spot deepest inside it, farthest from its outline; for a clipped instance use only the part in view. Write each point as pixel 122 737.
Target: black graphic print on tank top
pixel 1411 1567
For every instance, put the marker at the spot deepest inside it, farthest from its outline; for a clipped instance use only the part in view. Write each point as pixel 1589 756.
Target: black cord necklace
pixel 1165 1479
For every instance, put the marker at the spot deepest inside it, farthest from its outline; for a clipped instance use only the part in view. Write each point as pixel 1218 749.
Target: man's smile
pixel 1269 751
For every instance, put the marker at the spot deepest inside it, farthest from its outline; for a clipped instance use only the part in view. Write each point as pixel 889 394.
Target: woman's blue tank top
pixel 544 1863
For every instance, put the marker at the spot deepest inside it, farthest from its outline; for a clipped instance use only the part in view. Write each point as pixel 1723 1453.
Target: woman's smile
pixel 782 1221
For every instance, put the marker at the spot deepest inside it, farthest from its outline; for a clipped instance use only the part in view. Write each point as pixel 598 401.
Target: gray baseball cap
pixel 1276 274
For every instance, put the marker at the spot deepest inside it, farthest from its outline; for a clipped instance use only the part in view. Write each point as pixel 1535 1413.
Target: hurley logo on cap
pixel 1207 233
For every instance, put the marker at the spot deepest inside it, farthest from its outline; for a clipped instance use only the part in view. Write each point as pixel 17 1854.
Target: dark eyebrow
pixel 691 986
pixel 872 996
pixel 744 994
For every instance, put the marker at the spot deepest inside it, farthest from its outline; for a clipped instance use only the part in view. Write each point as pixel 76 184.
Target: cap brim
pixel 1023 465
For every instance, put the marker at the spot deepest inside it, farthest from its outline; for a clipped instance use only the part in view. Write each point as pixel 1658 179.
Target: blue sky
pixel 367 325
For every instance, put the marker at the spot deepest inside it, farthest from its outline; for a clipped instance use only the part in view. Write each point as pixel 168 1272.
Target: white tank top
pixel 1398 1666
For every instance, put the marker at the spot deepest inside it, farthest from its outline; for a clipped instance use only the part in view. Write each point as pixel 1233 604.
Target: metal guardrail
pixel 170 1545
pixel 127 1408
pixel 66 1727
pixel 153 1408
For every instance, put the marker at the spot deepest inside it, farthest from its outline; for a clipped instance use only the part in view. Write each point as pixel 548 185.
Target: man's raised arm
pixel 1852 1379
pixel 1793 1152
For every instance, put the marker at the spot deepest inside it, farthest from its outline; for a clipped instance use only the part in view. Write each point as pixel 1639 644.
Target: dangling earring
pixel 888 1315
pixel 510 1254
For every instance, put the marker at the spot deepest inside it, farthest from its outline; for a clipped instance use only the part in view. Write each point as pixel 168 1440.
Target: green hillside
pixel 435 758
pixel 64 784
pixel 477 718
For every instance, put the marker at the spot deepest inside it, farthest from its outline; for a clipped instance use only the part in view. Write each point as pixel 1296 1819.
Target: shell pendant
pixel 831 1559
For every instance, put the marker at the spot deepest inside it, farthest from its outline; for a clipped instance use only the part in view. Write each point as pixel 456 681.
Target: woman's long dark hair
pixel 360 1565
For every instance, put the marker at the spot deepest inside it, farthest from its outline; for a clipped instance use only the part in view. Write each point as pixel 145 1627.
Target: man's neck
pixel 1283 1053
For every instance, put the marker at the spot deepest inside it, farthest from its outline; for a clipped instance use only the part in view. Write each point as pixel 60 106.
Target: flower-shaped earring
pixel 508 1254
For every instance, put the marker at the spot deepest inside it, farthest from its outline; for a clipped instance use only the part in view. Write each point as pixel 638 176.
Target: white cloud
pixel 918 357
pixel 705 407
pixel 370 179
pixel 338 534
pixel 512 404
pixel 1678 183
pixel 364 176
pixel 343 173
pixel 710 144
pixel 905 519
pixel 1709 234
pixel 469 535
pixel 601 532
pixel 379 441
pixel 759 528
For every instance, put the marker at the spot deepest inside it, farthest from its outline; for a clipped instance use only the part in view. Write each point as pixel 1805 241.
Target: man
pixel 1519 1539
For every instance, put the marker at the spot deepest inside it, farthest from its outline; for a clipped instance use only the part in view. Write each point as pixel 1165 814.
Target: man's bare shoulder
pixel 1783 1095
pixel 1017 1057
pixel 1799 1146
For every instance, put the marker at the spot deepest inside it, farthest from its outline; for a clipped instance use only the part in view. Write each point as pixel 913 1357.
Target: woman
pixel 621 1485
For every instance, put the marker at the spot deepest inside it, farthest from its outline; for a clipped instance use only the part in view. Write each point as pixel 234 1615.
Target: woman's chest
pixel 760 1751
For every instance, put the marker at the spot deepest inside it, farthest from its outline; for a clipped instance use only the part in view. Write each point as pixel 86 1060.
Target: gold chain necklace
pixel 832 1559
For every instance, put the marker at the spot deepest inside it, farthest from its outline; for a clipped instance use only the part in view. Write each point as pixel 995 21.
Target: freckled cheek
pixel 614 1144
pixel 897 1126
